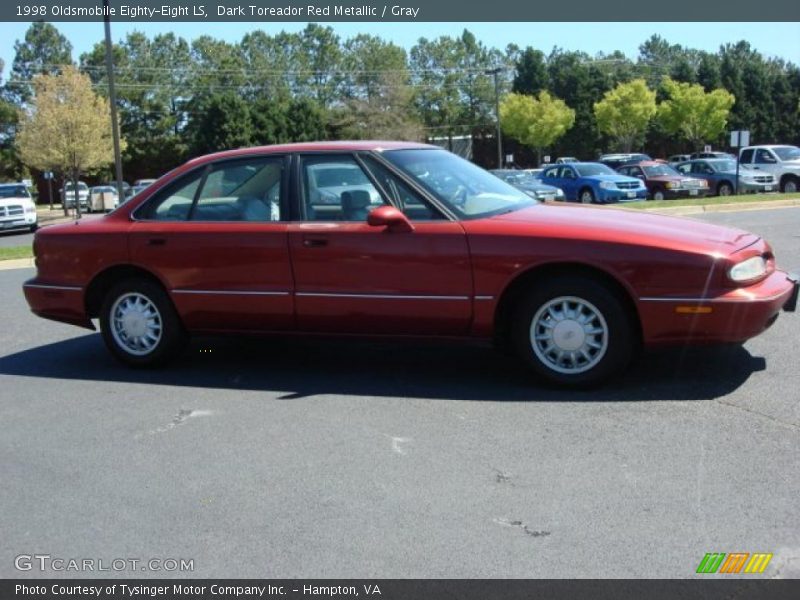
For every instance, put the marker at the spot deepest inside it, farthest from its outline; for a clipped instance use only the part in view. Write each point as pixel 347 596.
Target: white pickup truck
pixel 782 161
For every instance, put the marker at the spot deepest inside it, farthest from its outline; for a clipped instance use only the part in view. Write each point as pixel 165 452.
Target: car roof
pixel 342 146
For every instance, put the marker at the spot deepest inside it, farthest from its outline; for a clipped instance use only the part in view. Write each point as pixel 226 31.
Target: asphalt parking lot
pixel 276 458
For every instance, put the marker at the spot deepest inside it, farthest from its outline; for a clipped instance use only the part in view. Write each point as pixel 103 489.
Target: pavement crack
pixel 788 424
pixel 180 418
pixel 525 528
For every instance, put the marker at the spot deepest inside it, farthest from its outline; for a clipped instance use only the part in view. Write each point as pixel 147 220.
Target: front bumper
pixel 20 222
pixel 607 196
pixel 731 317
pixel 673 194
pixel 757 188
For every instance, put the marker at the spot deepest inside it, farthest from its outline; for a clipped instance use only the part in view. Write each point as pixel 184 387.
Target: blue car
pixel 594 183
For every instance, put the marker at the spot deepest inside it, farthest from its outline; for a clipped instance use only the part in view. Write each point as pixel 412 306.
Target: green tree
pixel 218 122
pixel 531 72
pixel 43 50
pixel 66 127
pixel 694 114
pixel 625 112
pixel 535 121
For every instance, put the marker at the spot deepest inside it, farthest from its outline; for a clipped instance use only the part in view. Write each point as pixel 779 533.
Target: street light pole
pixel 112 98
pixel 495 72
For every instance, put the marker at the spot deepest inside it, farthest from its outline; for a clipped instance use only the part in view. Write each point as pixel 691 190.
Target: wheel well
pixel 788 177
pixel 584 188
pixel 724 182
pixel 105 280
pixel 517 288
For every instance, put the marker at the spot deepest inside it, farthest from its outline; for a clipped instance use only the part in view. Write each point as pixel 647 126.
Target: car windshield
pixel 14 191
pixel 660 171
pixel 105 189
pixel 591 169
pixel 467 190
pixel 788 153
pixel 81 187
pixel 723 165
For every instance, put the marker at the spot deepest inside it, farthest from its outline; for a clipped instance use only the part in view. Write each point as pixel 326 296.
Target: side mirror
pixel 391 218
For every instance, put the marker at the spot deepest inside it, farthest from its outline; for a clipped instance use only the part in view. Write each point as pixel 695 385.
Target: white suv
pixel 782 161
pixel 17 210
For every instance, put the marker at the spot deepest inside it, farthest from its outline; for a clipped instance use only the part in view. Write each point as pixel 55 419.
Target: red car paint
pixel 445 277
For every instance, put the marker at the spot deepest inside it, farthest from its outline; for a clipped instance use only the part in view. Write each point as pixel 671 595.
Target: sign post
pixel 48 175
pixel 739 139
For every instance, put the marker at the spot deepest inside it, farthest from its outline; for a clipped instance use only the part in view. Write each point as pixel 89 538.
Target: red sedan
pixel 399 239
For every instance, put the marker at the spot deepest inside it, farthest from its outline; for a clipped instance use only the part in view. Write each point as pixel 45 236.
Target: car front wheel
pixel 573 331
pixel 789 186
pixel 658 195
pixel 586 196
pixel 140 325
pixel 725 189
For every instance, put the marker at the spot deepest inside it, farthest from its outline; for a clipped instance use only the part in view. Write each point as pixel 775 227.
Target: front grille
pixel 12 211
pixel 763 178
pixel 627 185
pixel 691 183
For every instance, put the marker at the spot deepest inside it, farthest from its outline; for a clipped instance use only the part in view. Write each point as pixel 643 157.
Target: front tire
pixel 586 196
pixel 725 189
pixel 789 186
pixel 573 331
pixel 658 195
pixel 139 324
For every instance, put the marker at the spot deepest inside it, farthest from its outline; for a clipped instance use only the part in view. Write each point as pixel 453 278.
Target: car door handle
pixel 314 242
pixel 156 242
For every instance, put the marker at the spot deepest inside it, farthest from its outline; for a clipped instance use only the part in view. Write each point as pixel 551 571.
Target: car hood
pixel 15 200
pixel 628 226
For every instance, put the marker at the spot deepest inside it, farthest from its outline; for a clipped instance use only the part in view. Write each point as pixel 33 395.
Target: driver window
pixel 336 188
pixel 764 157
pixel 406 199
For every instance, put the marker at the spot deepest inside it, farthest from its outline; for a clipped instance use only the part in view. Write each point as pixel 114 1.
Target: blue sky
pixel 772 39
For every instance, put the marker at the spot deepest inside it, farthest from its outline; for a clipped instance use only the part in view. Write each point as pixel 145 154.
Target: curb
pixel 731 207
pixel 16 263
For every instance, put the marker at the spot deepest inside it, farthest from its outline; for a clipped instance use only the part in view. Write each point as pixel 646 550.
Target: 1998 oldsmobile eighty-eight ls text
pixel 399 239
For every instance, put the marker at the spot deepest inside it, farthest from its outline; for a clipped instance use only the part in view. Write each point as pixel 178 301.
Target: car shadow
pixel 297 368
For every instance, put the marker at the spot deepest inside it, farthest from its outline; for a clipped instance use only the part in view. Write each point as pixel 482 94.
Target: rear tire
pixel 573 331
pixel 140 325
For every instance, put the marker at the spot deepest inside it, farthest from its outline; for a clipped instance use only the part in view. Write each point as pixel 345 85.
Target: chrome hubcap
pixel 586 198
pixel 790 187
pixel 136 324
pixel 569 335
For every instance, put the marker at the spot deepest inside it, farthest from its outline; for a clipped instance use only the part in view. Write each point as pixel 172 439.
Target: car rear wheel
pixel 725 189
pixel 573 331
pixel 139 324
pixel 658 195
pixel 586 196
pixel 789 186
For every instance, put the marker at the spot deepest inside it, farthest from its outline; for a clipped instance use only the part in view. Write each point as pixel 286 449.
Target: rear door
pixel 354 278
pixel 217 239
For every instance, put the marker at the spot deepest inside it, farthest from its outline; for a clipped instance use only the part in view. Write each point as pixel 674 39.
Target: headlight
pixel 703 183
pixel 673 185
pixel 608 185
pixel 559 193
pixel 30 209
pixel 752 268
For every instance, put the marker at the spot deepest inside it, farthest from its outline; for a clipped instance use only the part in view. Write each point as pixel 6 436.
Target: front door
pixel 216 239
pixel 355 278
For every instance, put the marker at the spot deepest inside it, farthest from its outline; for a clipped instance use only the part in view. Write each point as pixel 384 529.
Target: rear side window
pixel 764 157
pixel 232 191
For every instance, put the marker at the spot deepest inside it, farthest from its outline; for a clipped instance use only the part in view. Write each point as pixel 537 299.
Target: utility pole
pixel 495 72
pixel 112 98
